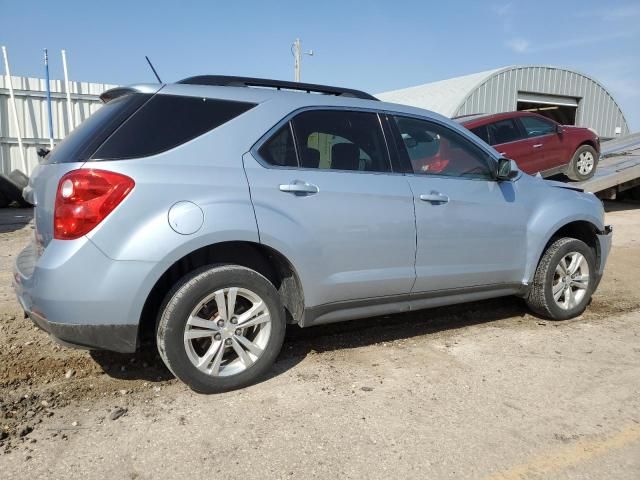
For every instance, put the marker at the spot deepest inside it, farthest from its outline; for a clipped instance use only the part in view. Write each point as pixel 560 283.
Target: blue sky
pixel 374 45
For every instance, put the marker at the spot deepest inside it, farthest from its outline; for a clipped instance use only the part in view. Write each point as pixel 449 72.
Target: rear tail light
pixel 84 198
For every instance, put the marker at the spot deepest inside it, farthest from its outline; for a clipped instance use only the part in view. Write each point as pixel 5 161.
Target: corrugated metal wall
pixel 31 103
pixel 596 108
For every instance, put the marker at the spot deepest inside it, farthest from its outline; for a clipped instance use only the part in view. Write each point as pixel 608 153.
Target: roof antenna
pixel 154 70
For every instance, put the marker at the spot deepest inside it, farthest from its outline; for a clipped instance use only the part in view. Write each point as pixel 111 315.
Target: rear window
pixel 165 122
pixel 88 136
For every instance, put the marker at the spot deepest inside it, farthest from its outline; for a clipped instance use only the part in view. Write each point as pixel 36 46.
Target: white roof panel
pixel 444 96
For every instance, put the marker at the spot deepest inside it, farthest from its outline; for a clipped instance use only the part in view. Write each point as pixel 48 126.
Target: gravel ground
pixel 483 390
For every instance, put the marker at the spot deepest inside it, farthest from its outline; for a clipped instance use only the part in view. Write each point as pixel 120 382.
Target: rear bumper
pixel 118 338
pixel 80 296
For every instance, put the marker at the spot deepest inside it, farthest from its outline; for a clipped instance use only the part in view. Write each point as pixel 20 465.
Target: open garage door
pixel 561 109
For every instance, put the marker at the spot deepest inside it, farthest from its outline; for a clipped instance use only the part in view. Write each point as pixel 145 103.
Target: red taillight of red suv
pixel 84 198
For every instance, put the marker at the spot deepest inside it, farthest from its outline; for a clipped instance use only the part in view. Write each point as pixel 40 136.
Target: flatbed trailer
pixel 618 169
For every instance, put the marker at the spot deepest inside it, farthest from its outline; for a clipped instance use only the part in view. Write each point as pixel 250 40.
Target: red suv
pixel 537 143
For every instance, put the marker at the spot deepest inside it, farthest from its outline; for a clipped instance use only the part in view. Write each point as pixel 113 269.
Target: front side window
pixel 503 131
pixel 536 127
pixel 340 140
pixel 437 150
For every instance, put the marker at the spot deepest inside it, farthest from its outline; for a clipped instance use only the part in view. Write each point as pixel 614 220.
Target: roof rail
pixel 230 81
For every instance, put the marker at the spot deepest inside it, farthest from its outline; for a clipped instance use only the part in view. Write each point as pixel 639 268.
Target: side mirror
pixel 559 129
pixel 507 169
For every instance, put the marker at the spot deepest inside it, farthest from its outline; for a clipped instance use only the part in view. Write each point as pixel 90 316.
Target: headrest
pixel 345 156
pixel 310 158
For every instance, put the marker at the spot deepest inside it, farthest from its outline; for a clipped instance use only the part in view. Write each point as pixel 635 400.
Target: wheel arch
pixel 580 229
pixel 589 143
pixel 264 259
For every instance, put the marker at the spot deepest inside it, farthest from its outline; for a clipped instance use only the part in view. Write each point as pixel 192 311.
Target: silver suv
pixel 210 213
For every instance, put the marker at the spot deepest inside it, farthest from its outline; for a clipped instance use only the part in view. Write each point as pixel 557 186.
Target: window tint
pixel 437 150
pixel 340 140
pixel 279 149
pixel 535 126
pixel 165 122
pixel 482 132
pixel 503 131
pixel 89 135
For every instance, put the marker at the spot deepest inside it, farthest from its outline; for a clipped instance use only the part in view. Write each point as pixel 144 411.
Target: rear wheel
pixel 221 328
pixel 564 280
pixel 583 164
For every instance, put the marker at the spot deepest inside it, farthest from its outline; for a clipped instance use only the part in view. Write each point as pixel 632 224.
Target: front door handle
pixel 537 145
pixel 299 187
pixel 434 197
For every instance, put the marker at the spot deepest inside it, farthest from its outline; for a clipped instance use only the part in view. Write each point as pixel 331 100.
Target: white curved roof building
pixel 567 96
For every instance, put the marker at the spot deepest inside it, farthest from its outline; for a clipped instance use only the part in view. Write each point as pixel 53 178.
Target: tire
pixel 191 309
pixel 550 278
pixel 583 164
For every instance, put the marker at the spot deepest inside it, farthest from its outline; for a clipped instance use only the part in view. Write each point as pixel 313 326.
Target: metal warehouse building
pixel 31 109
pixel 568 97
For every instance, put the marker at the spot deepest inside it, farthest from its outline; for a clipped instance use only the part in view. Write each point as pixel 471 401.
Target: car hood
pixel 575 128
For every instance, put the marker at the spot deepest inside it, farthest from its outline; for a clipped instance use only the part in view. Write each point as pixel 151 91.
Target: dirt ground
pixel 483 390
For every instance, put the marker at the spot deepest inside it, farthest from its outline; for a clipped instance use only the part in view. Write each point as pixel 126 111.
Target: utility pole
pixel 296 51
pixel 46 74
pixel 14 109
pixel 67 89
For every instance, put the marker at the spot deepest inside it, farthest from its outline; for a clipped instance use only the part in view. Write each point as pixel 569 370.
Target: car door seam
pixel 253 207
pixel 415 230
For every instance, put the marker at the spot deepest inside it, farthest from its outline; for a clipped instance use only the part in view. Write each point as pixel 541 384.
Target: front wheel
pixel 221 328
pixel 564 280
pixel 583 163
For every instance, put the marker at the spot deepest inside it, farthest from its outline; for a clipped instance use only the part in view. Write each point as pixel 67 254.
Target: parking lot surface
pixel 482 390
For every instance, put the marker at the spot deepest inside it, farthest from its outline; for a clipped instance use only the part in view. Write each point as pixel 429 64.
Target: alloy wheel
pixel 585 163
pixel 227 331
pixel 570 280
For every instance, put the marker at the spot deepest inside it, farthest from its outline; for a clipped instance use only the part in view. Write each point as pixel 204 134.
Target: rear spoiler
pixel 117 92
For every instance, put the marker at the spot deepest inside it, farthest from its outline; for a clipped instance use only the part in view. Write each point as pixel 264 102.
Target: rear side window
pixel 341 140
pixel 481 132
pixel 503 131
pixel 165 122
pixel 87 137
pixel 279 149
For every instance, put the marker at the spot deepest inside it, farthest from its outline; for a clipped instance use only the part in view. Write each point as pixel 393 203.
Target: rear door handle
pixel 299 187
pixel 537 145
pixel 434 197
